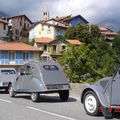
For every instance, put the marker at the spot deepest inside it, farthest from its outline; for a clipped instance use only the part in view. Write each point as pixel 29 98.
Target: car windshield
pixel 8 72
pixel 50 67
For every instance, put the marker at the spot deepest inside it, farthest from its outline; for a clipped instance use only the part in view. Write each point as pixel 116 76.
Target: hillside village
pixel 20 29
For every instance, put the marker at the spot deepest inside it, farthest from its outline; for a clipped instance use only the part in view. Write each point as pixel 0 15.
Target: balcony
pixel 14 62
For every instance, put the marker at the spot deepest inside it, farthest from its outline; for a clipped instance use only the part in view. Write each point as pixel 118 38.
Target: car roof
pixel 7 68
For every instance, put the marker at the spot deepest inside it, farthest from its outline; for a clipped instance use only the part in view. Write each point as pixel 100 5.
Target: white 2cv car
pixel 41 77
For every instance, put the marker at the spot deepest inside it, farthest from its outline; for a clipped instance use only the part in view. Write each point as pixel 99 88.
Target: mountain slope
pixel 2 14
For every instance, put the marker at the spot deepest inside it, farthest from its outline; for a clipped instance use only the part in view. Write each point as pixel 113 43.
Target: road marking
pixel 5 100
pixel 50 113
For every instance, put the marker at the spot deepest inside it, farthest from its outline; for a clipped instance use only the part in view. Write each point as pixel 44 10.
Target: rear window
pixel 8 72
pixel 50 67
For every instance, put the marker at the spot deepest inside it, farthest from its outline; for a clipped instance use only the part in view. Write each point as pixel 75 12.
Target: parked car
pixel 7 75
pixel 41 77
pixel 102 96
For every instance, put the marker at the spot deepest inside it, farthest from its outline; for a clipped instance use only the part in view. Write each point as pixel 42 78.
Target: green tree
pixel 97 61
pixel 116 47
pixel 84 33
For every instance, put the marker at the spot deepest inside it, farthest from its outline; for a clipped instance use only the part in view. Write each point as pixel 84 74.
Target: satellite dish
pixel 10 22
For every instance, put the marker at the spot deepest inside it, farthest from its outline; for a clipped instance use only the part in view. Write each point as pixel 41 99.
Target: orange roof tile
pixel 3 21
pixel 16 46
pixel 43 40
pixel 62 18
pixel 74 42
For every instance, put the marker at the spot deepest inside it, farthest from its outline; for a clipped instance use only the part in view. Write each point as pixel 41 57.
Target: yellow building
pixel 53 48
pixel 50 29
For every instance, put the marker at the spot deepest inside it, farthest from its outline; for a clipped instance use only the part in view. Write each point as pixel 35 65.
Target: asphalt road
pixel 48 108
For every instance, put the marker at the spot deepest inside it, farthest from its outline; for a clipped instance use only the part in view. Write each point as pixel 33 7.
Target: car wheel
pixel 64 95
pixel 11 91
pixel 91 103
pixel 34 97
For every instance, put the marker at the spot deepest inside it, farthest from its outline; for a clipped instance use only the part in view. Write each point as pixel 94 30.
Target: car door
pixel 115 95
pixel 26 83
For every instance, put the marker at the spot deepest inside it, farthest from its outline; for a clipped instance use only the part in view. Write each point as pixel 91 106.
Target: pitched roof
pixel 3 21
pixel 62 18
pixel 75 17
pixel 69 17
pixel 16 46
pixel 43 40
pixel 44 23
pixel 17 16
pixel 74 42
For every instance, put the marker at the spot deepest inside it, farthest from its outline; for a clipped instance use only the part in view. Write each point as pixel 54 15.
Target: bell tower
pixel 45 12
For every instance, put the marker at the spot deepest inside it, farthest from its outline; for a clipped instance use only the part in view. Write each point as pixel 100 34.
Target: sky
pixel 103 12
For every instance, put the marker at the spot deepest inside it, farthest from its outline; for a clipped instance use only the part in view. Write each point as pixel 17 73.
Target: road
pixel 48 108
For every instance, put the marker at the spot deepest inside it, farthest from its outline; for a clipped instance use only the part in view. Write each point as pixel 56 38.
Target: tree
pixel 60 37
pixel 96 61
pixel 116 47
pixel 84 33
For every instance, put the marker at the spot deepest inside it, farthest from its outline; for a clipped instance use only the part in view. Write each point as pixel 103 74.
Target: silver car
pixel 102 96
pixel 7 75
pixel 41 77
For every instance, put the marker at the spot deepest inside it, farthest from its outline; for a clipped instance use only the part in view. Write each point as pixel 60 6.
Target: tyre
pixel 34 97
pixel 64 95
pixel 11 91
pixel 91 103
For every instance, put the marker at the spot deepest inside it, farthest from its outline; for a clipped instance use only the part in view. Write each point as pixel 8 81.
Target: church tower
pixel 45 12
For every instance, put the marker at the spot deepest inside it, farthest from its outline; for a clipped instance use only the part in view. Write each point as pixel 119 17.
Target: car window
pixel 50 67
pixel 8 72
pixel 28 70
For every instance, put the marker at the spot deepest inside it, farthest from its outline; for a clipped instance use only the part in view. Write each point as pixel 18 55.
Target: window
pixel 45 47
pixel 20 23
pixel 27 25
pixel 63 47
pixel 42 27
pixel 24 25
pixel 25 56
pixel 11 56
pixel 28 70
pixel 54 47
pixel 4 26
pixel 50 67
pixel 8 72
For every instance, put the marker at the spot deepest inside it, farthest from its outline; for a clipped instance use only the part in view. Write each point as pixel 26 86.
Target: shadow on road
pixel 46 98
pixel 3 92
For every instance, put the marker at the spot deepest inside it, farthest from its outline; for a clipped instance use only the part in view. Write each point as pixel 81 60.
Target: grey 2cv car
pixel 102 96
pixel 7 75
pixel 41 77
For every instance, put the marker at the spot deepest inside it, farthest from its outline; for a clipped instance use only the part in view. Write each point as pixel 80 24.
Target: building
pixel 72 20
pixel 3 28
pixel 46 30
pixel 19 26
pixel 45 13
pixel 108 34
pixel 53 48
pixel 14 54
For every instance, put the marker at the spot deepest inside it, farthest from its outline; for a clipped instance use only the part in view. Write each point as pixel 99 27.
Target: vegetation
pixel 93 59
